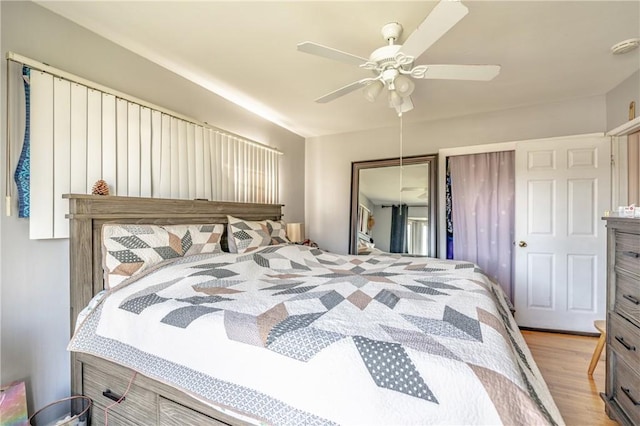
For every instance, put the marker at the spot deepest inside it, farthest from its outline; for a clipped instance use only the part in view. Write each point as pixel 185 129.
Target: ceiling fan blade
pixel 461 72
pixel 330 52
pixel 344 90
pixel 442 18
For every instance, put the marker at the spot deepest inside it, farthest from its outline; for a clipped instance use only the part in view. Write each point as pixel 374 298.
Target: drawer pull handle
pixel 112 396
pixel 631 299
pixel 631 254
pixel 627 392
pixel 625 344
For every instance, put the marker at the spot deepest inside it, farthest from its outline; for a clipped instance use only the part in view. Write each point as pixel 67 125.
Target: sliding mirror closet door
pixel 392 206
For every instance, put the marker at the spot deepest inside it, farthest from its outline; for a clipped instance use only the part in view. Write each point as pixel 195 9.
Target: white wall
pixel 34 274
pixel 382 230
pixel 619 98
pixel 328 159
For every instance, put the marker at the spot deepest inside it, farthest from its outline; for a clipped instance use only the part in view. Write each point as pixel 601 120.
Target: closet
pixel 562 189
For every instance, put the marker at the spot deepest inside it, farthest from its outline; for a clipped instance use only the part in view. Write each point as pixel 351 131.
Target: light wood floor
pixel 563 360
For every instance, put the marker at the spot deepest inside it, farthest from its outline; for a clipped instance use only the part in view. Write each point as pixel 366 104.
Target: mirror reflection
pixel 392 208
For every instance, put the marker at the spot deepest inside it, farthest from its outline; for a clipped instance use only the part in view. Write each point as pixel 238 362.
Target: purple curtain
pixel 482 205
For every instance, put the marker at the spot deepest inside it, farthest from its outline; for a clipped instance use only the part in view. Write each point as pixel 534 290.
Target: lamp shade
pixel 295 232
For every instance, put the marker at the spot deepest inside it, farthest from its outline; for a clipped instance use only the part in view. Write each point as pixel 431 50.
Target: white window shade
pixel 80 134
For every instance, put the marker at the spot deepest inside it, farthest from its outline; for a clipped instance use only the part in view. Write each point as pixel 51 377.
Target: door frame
pixel 619 161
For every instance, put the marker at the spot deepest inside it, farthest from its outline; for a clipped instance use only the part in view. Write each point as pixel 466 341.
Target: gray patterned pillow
pixel 278 232
pixel 245 235
pixel 129 250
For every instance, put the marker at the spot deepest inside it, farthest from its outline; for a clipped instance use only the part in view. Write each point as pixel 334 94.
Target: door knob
pixel 522 244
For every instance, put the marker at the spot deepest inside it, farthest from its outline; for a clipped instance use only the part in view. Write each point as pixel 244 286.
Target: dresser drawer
pixel 173 414
pixel 626 390
pixel 624 339
pixel 628 252
pixel 139 405
pixel 627 301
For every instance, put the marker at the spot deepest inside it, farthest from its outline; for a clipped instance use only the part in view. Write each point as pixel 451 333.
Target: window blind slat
pixel 156 151
pixel 133 139
pixel 122 148
pixel 190 161
pixel 94 138
pixel 78 169
pixel 61 155
pixel 175 161
pixel 199 163
pixel 165 158
pixel 41 219
pixel 145 152
pixel 206 164
pixel 109 141
pixel 183 161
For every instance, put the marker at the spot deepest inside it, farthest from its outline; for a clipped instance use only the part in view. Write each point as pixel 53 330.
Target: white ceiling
pixel 246 52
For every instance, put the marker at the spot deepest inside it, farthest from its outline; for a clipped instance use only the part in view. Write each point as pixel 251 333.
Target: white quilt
pixel 292 335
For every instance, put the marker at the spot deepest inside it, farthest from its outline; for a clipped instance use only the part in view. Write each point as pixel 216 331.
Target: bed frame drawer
pixel 97 418
pixel 139 405
pixel 173 414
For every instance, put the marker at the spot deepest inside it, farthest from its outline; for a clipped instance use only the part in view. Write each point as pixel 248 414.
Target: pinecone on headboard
pixel 100 188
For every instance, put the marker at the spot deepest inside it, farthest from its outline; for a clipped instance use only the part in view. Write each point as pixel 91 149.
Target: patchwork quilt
pixel 292 335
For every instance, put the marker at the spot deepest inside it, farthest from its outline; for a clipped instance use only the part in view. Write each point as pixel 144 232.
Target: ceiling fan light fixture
pixel 404 85
pixel 395 100
pixel 406 106
pixel 372 90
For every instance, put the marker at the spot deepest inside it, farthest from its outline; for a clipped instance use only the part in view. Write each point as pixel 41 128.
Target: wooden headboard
pixel 87 214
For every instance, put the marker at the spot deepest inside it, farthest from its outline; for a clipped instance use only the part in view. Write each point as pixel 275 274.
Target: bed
pixel 288 334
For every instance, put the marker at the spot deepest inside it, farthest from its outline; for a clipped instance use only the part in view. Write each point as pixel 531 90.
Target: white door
pixel 562 191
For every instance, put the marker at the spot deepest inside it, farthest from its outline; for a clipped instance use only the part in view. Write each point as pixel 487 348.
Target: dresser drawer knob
pixel 631 254
pixel 631 299
pixel 627 392
pixel 625 344
pixel 117 398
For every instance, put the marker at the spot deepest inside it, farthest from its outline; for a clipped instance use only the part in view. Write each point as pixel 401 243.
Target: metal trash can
pixel 71 411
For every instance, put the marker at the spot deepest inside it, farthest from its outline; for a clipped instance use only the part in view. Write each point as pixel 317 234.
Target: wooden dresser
pixel 622 396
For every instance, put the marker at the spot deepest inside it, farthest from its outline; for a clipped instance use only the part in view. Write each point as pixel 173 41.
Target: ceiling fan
pixel 393 65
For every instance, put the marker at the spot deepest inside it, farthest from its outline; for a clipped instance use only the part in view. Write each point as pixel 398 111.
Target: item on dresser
pixel 622 394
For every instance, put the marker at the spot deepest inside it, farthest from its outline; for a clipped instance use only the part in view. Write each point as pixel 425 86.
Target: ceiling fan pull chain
pixel 401 149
